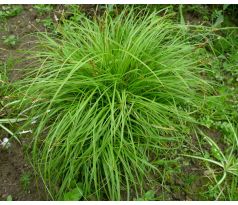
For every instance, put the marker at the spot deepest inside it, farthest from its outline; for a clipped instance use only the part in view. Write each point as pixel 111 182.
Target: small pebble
pixel 5 143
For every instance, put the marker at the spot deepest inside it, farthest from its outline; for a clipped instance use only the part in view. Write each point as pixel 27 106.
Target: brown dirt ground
pixel 13 167
pixel 13 163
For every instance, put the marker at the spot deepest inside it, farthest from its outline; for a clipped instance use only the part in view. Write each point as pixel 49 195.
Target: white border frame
pixel 118 2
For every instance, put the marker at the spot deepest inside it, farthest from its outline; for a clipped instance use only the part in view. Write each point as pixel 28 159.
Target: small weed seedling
pixel 73 195
pixel 25 180
pixel 9 198
pixel 7 11
pixel 148 196
pixel 10 40
pixel 43 8
pixel 48 23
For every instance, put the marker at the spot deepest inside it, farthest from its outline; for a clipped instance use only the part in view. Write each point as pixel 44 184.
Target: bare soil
pixel 13 167
pixel 13 163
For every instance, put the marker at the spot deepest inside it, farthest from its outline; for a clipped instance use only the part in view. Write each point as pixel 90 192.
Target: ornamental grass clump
pixel 109 96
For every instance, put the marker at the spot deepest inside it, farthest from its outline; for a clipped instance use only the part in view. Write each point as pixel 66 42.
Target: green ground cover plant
pixel 8 11
pixel 109 96
pixel 43 8
pixel 10 40
pixel 223 174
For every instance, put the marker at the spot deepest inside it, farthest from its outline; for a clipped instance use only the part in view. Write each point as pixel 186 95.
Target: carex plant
pixel 109 94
